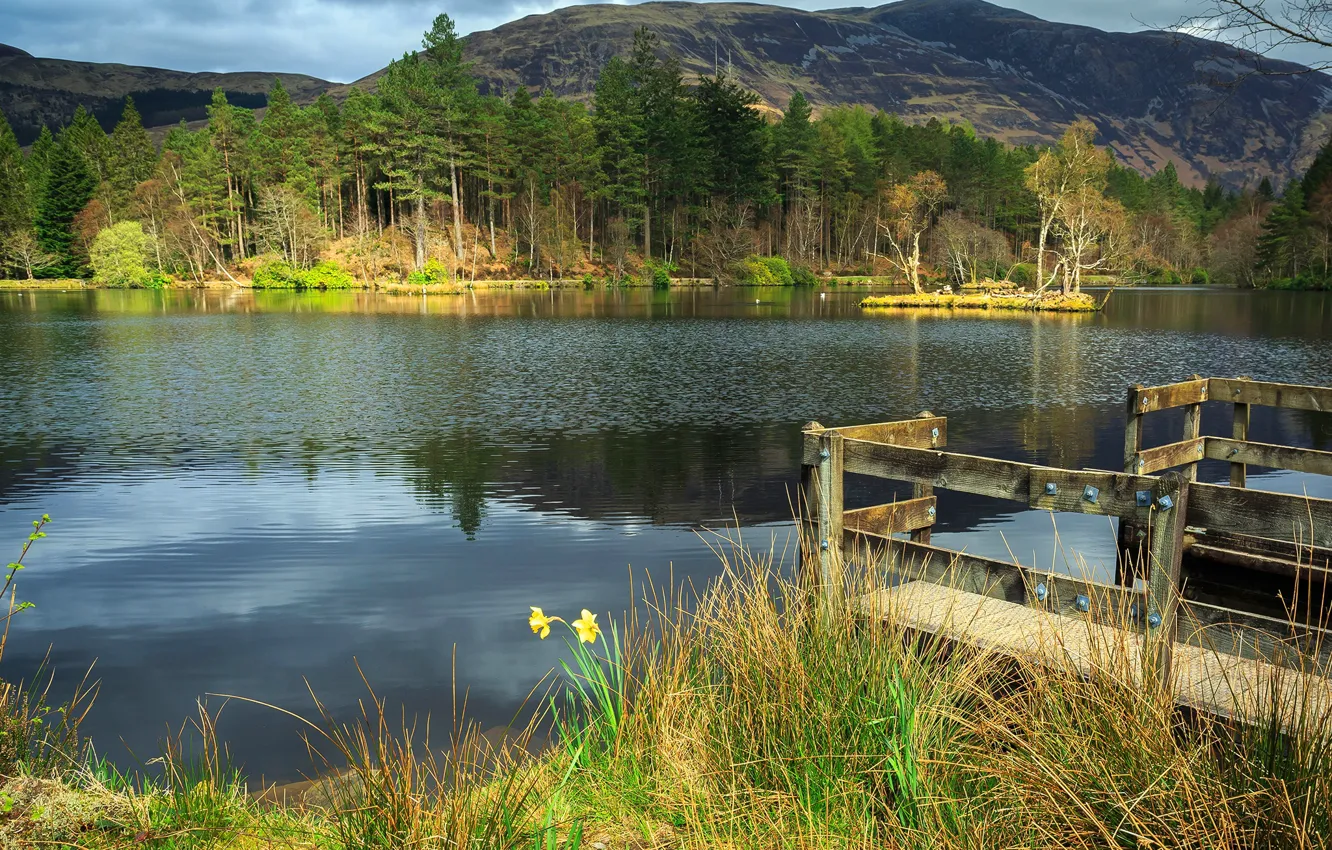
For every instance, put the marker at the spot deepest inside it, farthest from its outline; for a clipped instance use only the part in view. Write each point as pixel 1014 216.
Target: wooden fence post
pixel 1130 546
pixel 808 509
pixel 1167 548
pixel 830 511
pixel 1193 430
pixel 1239 430
pixel 921 490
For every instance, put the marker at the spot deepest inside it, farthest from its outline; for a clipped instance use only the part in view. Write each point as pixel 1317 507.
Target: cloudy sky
pixel 344 40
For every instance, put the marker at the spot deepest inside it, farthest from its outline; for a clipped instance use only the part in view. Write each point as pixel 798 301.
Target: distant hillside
pixel 1012 75
pixel 1156 97
pixel 36 91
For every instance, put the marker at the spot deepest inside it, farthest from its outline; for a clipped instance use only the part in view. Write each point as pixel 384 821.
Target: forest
pixel 428 180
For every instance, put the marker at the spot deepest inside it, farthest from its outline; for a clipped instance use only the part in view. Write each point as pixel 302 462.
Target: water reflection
pixel 254 488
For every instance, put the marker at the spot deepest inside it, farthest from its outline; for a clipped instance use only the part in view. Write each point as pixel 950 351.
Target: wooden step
pixel 1204 679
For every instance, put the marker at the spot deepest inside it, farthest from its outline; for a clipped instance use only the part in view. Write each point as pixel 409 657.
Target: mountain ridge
pixel 1155 97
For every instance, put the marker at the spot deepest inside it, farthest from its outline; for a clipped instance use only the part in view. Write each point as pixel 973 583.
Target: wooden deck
pixel 1204 679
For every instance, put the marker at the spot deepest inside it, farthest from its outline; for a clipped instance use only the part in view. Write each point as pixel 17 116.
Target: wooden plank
pixel 1129 545
pixel 1243 453
pixel 1260 563
pixel 923 432
pixel 999 479
pixel 830 512
pixel 1147 399
pixel 1153 460
pixel 1297 519
pixel 1291 396
pixel 1205 680
pixel 1239 430
pixel 1002 580
pixel 1193 431
pixel 922 491
pixel 808 509
pixel 1282 550
pixel 1116 493
pixel 1165 553
pixel 886 520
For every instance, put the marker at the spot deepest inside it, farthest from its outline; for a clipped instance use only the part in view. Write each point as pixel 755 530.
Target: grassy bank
pixel 744 718
pixel 45 284
pixel 1055 302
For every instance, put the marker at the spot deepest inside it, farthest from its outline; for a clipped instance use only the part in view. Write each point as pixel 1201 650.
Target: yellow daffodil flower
pixel 539 622
pixel 587 627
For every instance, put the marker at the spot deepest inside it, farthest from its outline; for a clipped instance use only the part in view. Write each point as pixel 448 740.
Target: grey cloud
pixel 344 40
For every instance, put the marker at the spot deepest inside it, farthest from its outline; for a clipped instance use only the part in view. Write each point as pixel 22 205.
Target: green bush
pixel 328 275
pixel 433 272
pixel 765 271
pixel 279 274
pixel 658 274
pixel 1023 274
pixel 276 274
pixel 119 256
pixel 1200 277
pixel 803 276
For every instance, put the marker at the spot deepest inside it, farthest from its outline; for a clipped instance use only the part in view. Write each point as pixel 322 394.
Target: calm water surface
pixel 251 491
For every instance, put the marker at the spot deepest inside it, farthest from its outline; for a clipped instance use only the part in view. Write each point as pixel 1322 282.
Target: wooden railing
pixel 1159 506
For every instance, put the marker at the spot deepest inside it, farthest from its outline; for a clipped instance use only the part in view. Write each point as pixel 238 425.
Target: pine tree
pixel 455 90
pixel 618 120
pixel 15 200
pixel 131 159
pixel 38 164
pixel 1280 247
pixel 87 137
pixel 68 189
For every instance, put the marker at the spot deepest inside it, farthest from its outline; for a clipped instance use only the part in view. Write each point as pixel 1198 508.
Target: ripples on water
pixel 252 489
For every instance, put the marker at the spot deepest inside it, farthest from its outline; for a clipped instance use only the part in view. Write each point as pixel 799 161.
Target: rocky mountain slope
pixel 1156 97
pixel 36 91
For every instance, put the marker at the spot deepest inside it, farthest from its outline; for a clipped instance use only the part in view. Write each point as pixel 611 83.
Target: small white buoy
pixel 756 301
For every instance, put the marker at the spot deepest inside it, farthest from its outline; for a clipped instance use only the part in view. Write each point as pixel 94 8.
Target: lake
pixel 252 491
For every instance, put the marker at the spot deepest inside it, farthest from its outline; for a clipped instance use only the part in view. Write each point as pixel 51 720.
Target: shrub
pixel 432 273
pixel 803 276
pixel 119 255
pixel 328 275
pixel 1023 274
pixel 279 274
pixel 1200 277
pixel 765 271
pixel 658 274
pixel 276 274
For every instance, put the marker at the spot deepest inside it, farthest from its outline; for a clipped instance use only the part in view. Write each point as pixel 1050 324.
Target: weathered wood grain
pixel 1244 453
pixel 1164 555
pixel 1291 396
pixel 999 479
pixel 1239 430
pixel 895 518
pixel 1148 399
pixel 1157 458
pixel 1258 513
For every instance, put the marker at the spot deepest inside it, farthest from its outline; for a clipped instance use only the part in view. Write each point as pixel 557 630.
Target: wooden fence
pixel 1154 511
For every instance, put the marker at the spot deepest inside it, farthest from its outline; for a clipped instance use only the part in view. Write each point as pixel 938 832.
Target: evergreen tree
pixel 618 119
pixel 131 159
pixel 455 108
pixel 1280 247
pixel 88 138
pixel 1319 173
pixel 38 164
pixel 15 199
pixel 68 190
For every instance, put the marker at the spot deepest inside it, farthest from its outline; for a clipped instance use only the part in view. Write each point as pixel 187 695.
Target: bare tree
pixel 286 224
pixel 909 210
pixel 969 249
pixel 727 237
pixel 21 250
pixel 1267 26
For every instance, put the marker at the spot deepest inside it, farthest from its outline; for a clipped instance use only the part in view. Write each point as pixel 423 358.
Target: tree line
pixel 428 179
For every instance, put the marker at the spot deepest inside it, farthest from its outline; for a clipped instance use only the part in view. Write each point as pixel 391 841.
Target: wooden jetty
pixel 1200 568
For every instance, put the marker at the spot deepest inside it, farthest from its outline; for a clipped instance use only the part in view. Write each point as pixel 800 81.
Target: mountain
pixel 37 91
pixel 1156 97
